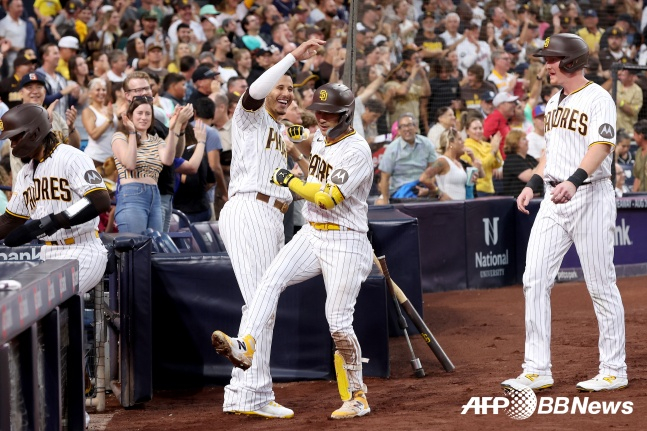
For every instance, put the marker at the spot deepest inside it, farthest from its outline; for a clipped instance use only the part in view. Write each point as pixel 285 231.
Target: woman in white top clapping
pixel 100 122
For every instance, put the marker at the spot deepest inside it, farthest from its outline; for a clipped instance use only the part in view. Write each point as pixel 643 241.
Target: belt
pixel 68 241
pixel 279 205
pixel 556 183
pixel 328 226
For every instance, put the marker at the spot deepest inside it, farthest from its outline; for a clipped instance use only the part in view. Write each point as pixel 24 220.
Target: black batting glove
pixel 32 229
pixel 281 177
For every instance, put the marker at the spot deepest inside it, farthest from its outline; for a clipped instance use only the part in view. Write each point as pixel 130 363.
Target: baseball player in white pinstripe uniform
pixel 334 244
pixel 251 222
pixel 57 197
pixel 578 208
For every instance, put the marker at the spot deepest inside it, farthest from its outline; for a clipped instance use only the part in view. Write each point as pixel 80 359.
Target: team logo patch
pixel 339 176
pixel 1 126
pixel 606 131
pixel 547 42
pixel 92 177
pixel 323 95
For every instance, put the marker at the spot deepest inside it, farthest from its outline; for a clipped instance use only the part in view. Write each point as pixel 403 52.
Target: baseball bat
pixel 418 322
pixel 402 322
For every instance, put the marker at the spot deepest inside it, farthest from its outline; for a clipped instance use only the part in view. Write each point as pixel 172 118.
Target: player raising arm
pixel 579 208
pixel 333 243
pixel 57 197
pixel 251 222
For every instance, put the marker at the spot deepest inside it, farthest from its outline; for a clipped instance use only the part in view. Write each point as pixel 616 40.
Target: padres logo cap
pixel 32 77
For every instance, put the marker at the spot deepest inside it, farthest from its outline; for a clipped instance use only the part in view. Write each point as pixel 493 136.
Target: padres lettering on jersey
pixel 567 118
pixel 319 168
pixel 573 123
pixel 275 142
pixel 348 164
pixel 47 188
pixel 257 148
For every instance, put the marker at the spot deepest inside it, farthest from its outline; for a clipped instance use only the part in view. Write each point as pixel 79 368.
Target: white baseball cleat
pixel 602 382
pixel 529 380
pixel 356 407
pixel 272 410
pixel 238 350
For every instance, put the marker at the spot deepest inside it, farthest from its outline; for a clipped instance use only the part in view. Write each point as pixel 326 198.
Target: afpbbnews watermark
pixel 522 403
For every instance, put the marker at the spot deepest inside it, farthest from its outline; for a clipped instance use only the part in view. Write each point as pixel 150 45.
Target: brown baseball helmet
pixel 336 99
pixel 30 119
pixel 570 47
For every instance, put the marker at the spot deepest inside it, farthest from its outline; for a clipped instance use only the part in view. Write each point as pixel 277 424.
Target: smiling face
pixel 280 98
pixel 33 93
pixel 142 117
pixel 407 129
pixel 475 130
pixel 98 92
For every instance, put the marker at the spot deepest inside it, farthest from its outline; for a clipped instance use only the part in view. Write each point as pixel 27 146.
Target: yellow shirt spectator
pixel 483 151
pixel 48 7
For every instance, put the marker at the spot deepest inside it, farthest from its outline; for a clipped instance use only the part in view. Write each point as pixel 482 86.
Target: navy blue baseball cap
pixel 32 77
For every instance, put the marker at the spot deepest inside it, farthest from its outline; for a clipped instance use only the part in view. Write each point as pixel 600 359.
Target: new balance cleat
pixel 271 410
pixel 354 408
pixel 529 380
pixel 238 350
pixel 602 383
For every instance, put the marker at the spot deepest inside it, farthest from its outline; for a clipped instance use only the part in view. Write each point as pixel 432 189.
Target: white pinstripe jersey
pixel 348 164
pixel 58 182
pixel 257 149
pixel 585 117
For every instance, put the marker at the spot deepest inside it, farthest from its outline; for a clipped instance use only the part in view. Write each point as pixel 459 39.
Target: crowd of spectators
pixel 457 73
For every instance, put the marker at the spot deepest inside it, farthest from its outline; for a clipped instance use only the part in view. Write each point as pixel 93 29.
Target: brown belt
pixel 279 205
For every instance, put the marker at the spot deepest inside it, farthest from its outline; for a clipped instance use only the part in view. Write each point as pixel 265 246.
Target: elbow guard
pixel 329 197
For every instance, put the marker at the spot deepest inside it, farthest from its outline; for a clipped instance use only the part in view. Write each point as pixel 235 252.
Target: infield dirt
pixel 482 331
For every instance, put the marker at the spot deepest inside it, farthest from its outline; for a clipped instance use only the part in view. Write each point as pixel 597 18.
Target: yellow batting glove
pixel 298 134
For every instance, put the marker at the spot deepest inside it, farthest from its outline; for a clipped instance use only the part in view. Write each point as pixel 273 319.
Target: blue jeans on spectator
pixel 138 208
pixel 167 210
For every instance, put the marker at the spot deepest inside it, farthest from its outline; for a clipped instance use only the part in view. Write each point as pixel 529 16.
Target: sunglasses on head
pixel 147 99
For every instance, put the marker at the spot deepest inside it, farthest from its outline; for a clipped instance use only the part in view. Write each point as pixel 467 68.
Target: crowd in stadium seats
pixel 441 65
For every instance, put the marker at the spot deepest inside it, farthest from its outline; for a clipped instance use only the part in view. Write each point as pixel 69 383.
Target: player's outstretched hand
pixel 563 192
pixel 298 133
pixel 307 49
pixel 281 177
pixel 524 199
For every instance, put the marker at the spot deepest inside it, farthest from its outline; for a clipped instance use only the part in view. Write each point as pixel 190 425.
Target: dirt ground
pixel 483 334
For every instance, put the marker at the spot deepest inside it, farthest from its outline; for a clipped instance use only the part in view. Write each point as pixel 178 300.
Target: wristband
pixel 535 183
pixel 132 133
pixel 578 177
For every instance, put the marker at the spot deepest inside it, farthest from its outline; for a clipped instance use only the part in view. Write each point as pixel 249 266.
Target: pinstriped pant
pixel 345 259
pixel 588 221
pixel 252 232
pixel 92 257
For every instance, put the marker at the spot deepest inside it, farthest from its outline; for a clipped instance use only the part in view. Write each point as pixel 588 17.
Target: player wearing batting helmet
pixel 578 208
pixel 57 197
pixel 332 243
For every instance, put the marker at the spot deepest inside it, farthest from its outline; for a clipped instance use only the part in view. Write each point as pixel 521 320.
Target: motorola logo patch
pixel 606 131
pixel 92 177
